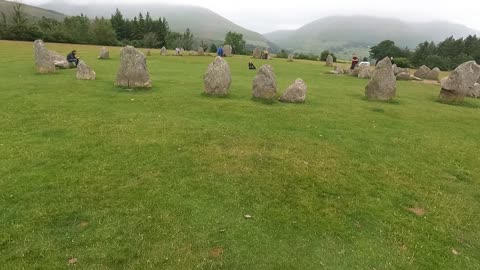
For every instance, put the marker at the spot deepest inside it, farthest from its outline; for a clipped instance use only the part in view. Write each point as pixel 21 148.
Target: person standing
pixel 220 51
pixel 354 62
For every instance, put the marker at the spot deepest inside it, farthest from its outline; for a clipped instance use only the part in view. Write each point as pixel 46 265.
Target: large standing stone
pixel 84 72
pixel 475 92
pixel 264 84
pixel 257 53
pixel 382 86
pixel 422 72
pixel 295 93
pixel 218 78
pixel 104 53
pixel 433 74
pixel 42 58
pixel 329 61
pixel 290 58
pixel 133 71
pixel 163 51
pixel 227 50
pixel 460 82
pixel 200 51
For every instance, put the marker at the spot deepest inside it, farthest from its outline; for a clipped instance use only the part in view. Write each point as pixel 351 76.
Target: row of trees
pixel 141 31
pixel 446 55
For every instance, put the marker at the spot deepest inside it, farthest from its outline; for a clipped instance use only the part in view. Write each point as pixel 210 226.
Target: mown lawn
pixel 162 179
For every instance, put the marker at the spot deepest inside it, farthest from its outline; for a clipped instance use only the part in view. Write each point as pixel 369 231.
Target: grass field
pixel 162 179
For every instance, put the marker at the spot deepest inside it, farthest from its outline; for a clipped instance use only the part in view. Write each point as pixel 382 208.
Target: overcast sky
pixel 265 16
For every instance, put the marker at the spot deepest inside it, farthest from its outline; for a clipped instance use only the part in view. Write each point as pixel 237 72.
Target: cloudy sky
pixel 265 16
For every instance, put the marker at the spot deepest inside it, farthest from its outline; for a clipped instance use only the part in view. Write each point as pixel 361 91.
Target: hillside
pixel 202 22
pixel 6 8
pixel 345 34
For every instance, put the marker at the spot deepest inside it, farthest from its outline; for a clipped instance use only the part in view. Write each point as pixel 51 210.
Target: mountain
pixel 6 8
pixel 203 22
pixel 348 34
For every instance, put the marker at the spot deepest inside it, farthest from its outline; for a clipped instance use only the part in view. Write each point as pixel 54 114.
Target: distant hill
pixel 6 7
pixel 347 34
pixel 204 23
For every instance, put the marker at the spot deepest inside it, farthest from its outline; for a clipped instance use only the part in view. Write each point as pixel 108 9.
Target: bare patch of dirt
pixel 417 211
pixel 83 224
pixel 72 261
pixel 428 82
pixel 216 252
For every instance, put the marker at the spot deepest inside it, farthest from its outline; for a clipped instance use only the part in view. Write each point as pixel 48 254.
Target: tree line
pixel 446 55
pixel 141 31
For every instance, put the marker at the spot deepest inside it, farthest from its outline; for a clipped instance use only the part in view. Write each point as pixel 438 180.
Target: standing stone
pixel 104 53
pixel 182 51
pixel 218 78
pixel 133 71
pixel 295 93
pixel 257 53
pixel 422 72
pixel 42 58
pixel 148 53
pixel 329 61
pixel 364 72
pixel 460 82
pixel 200 51
pixel 60 60
pixel 84 72
pixel 264 84
pixel 227 50
pixel 290 58
pixel 475 92
pixel 382 86
pixel 163 51
pixel 433 74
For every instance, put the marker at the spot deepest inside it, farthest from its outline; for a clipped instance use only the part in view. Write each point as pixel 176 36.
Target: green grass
pixel 162 179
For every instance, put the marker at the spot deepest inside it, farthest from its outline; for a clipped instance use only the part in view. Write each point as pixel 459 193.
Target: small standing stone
pixel 133 71
pixel 200 51
pixel 329 61
pixel 104 53
pixel 218 78
pixel 422 72
pixel 383 85
pixel 163 51
pixel 433 74
pixel 295 93
pixel 257 53
pixel 149 53
pixel 84 72
pixel 265 84
pixel 290 58
pixel 227 50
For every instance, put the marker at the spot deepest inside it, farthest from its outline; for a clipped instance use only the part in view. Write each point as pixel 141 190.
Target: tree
pixel 174 40
pixel 20 28
pixel 236 41
pixel 187 40
pixel 77 28
pixel 119 25
pixel 150 40
pixel 213 48
pixel 324 55
pixel 102 32
pixel 384 49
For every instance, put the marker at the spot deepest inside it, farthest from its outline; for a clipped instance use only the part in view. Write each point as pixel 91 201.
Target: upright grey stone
pixel 148 53
pixel 104 53
pixel 295 93
pixel 460 82
pixel 84 72
pixel 42 58
pixel 227 50
pixel 422 72
pixel 290 58
pixel 257 53
pixel 217 79
pixel 382 86
pixel 133 71
pixel 329 61
pixel 200 51
pixel 163 51
pixel 265 84
pixel 364 72
pixel 433 74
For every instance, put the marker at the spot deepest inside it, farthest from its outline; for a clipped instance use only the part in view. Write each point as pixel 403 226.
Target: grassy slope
pixel 161 179
pixel 33 12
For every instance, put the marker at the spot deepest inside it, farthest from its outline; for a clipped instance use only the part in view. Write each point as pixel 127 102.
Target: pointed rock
pixel 295 93
pixel 265 84
pixel 133 71
pixel 460 82
pixel 104 54
pixel 383 85
pixel 217 79
pixel 84 72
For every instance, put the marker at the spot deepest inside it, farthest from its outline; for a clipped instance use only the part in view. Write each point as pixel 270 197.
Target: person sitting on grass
pixel 251 65
pixel 72 58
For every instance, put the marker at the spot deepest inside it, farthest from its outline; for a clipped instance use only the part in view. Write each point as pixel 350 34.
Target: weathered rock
pixel 42 58
pixel 104 53
pixel 295 93
pixel 338 69
pixel 84 72
pixel 433 74
pixel 200 52
pixel 264 84
pixel 227 50
pixel 382 86
pixel 60 60
pixel 257 53
pixel 163 51
pixel 422 72
pixel 329 61
pixel 413 78
pixel 148 53
pixel 364 72
pixel 217 78
pixel 460 82
pixel 404 76
pixel 133 71
pixel 475 92
pixel 290 58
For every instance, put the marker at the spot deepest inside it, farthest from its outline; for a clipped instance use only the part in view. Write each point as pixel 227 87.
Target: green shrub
pixel 403 62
